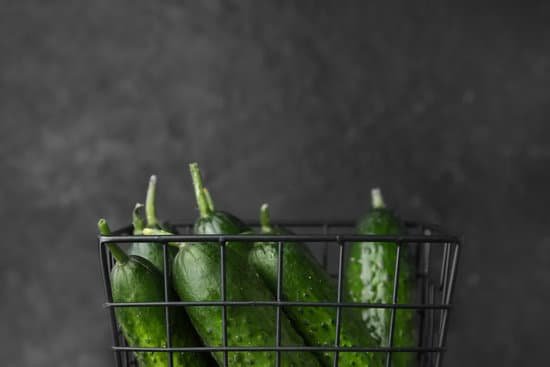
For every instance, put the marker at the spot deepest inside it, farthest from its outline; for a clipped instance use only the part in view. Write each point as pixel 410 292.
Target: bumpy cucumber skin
pixel 139 281
pixel 305 280
pixel 370 272
pixel 196 277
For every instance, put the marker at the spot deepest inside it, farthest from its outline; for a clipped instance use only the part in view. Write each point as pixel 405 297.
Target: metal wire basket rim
pixel 314 238
pixel 418 306
pixel 325 224
pixel 281 349
pixel 432 328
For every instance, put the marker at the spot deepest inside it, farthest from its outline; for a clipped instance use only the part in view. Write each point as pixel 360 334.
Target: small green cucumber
pixel 196 277
pixel 370 272
pixel 135 279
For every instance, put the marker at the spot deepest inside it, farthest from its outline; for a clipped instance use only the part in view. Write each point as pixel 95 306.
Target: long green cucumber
pixel 305 280
pixel 151 251
pixel 369 278
pixel 135 279
pixel 196 277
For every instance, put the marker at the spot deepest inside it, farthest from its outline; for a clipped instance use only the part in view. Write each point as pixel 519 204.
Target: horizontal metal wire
pixel 314 239
pixel 439 306
pixel 339 224
pixel 296 348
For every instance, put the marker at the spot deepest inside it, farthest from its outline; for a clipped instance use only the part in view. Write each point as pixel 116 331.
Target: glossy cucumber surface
pixel 196 277
pixel 369 277
pixel 304 279
pixel 139 281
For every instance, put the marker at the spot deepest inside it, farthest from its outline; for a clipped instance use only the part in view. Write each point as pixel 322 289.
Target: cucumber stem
pixel 160 232
pixel 150 198
pixel 202 201
pixel 137 219
pixel 265 218
pixel 377 198
pixel 117 252
pixel 208 199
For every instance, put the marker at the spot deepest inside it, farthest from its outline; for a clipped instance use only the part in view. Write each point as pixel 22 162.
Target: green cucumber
pixel 150 251
pixel 369 278
pixel 196 277
pixel 135 279
pixel 212 221
pixel 305 280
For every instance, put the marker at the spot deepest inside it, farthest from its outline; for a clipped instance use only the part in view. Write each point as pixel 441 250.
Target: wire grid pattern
pixel 435 254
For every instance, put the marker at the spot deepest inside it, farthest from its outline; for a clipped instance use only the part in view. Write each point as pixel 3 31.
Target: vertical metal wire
pixel 442 286
pixel 423 269
pixel 339 296
pixel 279 299
pixel 431 322
pixel 420 280
pixel 126 354
pixel 443 281
pixel 447 299
pixel 168 324
pixel 394 302
pixel 444 269
pixel 105 261
pixel 224 306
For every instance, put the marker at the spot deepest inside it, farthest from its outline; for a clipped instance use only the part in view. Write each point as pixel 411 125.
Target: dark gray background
pixel 442 104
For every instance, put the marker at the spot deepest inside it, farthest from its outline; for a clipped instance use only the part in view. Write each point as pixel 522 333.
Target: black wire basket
pixel 434 251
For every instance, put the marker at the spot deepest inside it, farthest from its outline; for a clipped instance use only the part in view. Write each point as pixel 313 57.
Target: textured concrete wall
pixel 304 106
